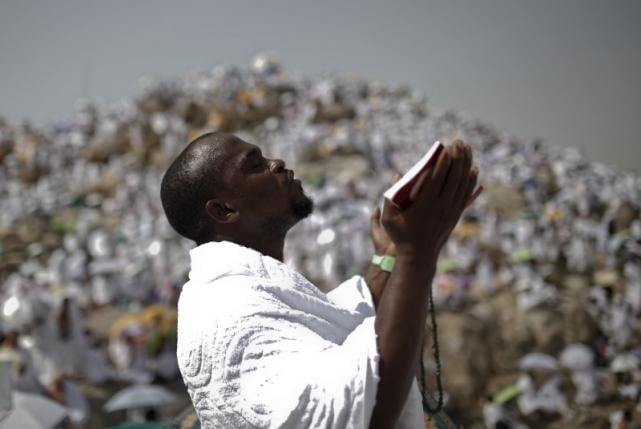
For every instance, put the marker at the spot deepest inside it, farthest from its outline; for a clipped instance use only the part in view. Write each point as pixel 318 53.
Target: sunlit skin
pixel 259 200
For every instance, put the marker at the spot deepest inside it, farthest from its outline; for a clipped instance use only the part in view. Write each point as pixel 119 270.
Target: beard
pixel 299 209
pixel 302 207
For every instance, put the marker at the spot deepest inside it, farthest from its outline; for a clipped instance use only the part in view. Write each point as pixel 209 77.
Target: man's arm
pixel 376 279
pixel 419 233
pixel 402 309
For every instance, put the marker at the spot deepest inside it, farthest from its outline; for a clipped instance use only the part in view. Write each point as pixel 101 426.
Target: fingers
pixel 463 192
pixel 418 186
pixel 440 171
pixel 470 194
pixel 475 195
pixel 455 175
pixel 461 189
pixel 434 178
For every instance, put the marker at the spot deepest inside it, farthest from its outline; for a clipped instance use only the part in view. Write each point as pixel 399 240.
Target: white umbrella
pixel 577 357
pixel 21 419
pixel 538 361
pixel 624 362
pixel 140 396
pixel 33 412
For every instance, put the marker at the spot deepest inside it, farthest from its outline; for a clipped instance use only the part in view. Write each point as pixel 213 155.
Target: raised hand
pixel 439 198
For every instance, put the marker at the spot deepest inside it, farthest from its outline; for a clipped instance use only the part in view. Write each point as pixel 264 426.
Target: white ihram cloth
pixel 259 346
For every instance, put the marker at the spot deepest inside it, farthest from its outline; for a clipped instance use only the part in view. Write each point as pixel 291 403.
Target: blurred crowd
pixel 538 289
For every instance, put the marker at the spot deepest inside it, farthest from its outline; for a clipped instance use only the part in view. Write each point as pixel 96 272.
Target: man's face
pixel 262 189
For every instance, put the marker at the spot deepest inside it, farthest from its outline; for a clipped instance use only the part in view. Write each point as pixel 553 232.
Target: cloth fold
pixel 259 346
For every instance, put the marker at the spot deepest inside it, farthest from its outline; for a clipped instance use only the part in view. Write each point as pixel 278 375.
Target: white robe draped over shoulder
pixel 259 346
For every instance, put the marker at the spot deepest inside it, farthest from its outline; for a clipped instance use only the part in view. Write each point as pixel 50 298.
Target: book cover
pixel 399 193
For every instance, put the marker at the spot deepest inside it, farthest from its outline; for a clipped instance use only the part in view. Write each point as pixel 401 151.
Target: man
pixel 259 346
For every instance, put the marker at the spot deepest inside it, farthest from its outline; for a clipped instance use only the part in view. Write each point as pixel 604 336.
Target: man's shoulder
pixel 229 294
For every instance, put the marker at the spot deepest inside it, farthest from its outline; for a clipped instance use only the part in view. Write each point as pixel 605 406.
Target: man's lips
pixel 291 180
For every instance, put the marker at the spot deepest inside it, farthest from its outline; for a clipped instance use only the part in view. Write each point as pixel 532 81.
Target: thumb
pixel 376 216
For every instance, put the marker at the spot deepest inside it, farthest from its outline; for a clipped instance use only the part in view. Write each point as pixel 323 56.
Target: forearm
pixel 376 278
pixel 399 325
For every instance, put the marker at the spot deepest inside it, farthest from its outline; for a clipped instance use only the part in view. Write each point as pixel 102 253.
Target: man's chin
pixel 302 207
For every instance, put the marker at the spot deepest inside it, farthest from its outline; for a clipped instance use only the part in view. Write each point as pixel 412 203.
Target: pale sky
pixel 567 71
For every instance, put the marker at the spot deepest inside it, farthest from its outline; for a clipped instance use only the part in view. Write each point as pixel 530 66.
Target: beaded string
pixel 437 358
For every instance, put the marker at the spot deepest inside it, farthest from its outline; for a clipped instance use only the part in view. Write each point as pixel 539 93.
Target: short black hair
pixel 190 180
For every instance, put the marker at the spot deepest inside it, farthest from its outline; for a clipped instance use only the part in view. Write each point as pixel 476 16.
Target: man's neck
pixel 273 248
pixel 270 246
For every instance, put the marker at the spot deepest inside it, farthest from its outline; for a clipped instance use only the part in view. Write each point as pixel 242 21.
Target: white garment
pixel 98 370
pixel 77 405
pixel 67 356
pixel 259 346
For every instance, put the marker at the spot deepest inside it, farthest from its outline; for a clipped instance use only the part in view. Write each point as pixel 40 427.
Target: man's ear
pixel 221 212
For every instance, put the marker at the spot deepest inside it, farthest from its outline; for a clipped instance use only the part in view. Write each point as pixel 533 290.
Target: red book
pixel 399 193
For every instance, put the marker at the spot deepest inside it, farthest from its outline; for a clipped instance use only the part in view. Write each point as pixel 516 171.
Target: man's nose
pixel 276 165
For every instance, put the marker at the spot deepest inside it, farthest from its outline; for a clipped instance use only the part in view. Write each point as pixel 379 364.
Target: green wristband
pixel 384 262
